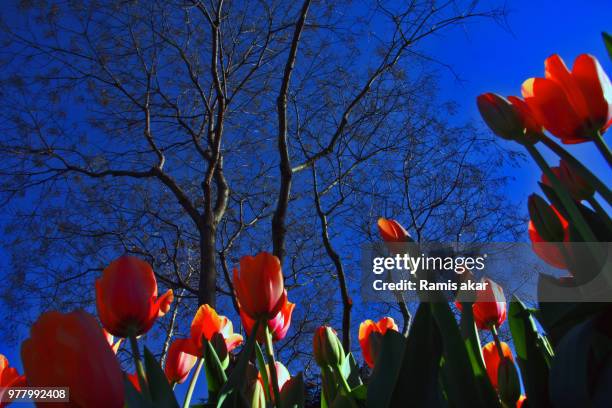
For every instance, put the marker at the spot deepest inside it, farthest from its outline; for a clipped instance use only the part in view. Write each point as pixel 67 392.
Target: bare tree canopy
pixel 191 133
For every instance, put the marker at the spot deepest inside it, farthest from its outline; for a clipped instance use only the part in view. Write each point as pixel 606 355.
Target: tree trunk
pixel 208 268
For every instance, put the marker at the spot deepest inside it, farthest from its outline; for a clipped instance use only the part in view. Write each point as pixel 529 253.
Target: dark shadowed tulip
pixel 392 231
pixel 9 377
pixel 327 348
pixel 489 306
pixel 548 232
pixel 259 286
pixel 70 350
pixel 574 105
pixel 279 325
pixel 509 118
pixel 366 329
pixel 492 359
pixel 578 188
pixel 126 297
pixel 178 362
pixel 205 325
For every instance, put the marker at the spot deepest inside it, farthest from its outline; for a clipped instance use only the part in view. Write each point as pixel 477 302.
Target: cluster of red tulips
pixel 78 351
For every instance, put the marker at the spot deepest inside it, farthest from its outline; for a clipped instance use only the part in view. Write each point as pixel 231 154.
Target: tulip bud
pixel 545 219
pixel 327 347
pixel 393 231
pixel 256 395
pixel 508 382
pixel 500 116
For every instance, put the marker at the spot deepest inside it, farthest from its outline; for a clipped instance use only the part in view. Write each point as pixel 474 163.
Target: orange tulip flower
pixel 489 307
pixel 206 323
pixel 9 377
pixel 178 362
pixel 365 331
pixel 578 188
pixel 392 231
pixel 282 375
pixel 574 105
pixel 492 360
pixel 69 350
pixel 259 286
pixel 126 297
pixel 549 244
pixel 278 326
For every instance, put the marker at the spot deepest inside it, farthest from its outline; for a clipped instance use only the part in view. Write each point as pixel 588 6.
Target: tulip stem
pixel 140 371
pixel 569 204
pixel 272 366
pixel 603 147
pixel 345 384
pixel 498 345
pixel 585 173
pixel 192 383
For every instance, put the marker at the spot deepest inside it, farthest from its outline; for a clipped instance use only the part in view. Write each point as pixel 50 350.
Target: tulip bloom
pixel 282 375
pixel 259 286
pixel 366 329
pixel 548 232
pixel 178 362
pixel 9 377
pixel 392 231
pixel 69 350
pixel 578 188
pixel 126 297
pixel 510 118
pixel 521 401
pixel 492 360
pixel 133 378
pixel 574 106
pixel 327 348
pixel 206 323
pixel 278 326
pixel 489 307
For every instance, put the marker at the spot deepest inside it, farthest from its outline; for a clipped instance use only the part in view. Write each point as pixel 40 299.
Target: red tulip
pixel 69 350
pixel 9 377
pixel 509 118
pixel 279 325
pixel 489 307
pixel 282 375
pixel 366 329
pixel 578 188
pixel 521 401
pixel 574 105
pixel 206 323
pixel 492 360
pixel 178 362
pixel 392 231
pixel 126 297
pixel 259 286
pixel 548 232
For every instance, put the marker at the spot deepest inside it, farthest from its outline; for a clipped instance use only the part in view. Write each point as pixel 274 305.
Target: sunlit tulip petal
pixel 178 361
pixel 492 360
pixel 206 323
pixel 365 332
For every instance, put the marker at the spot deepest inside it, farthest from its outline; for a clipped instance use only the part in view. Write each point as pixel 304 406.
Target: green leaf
pixel 462 386
pixel 608 42
pixel 329 387
pixel 215 374
pixel 350 370
pixel 292 394
pixel 533 353
pixel 569 386
pixel 133 398
pixel 161 391
pixel 342 401
pixel 360 392
pixel 420 367
pixel 386 370
pixel 261 363
pixel 231 392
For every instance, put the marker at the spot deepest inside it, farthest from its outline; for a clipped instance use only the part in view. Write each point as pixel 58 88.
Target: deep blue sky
pixel 489 58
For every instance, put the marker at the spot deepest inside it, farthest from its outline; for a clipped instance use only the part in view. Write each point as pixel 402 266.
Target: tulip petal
pixel 595 86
